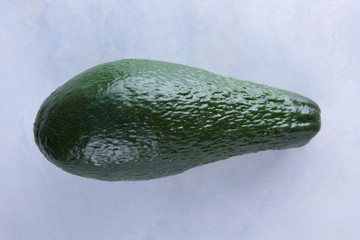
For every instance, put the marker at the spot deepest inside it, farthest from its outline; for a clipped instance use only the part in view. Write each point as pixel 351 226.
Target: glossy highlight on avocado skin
pixel 140 119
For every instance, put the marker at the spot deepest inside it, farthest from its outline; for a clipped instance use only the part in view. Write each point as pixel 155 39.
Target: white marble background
pixel 311 47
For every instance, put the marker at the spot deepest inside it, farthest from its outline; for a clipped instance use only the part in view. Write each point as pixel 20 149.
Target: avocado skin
pixel 137 119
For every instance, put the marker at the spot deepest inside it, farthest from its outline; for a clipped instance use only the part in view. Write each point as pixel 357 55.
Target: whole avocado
pixel 137 119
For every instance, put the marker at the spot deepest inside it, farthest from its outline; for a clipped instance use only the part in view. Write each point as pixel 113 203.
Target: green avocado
pixel 139 119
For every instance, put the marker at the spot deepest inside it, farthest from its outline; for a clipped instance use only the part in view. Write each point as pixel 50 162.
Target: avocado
pixel 137 119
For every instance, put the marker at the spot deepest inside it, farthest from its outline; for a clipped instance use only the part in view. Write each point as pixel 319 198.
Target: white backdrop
pixel 310 47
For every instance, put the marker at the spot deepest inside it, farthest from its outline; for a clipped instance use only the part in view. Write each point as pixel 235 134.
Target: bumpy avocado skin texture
pixel 140 119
